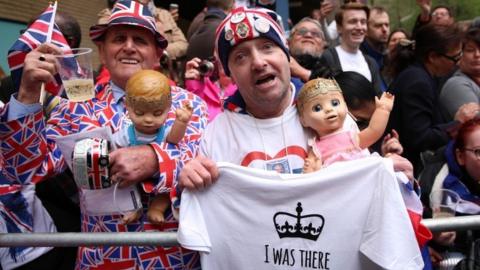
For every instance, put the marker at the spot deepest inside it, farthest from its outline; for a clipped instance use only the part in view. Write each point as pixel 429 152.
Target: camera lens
pixel 206 68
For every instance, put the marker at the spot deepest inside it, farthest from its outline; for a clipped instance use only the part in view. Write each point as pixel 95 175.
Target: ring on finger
pixel 42 57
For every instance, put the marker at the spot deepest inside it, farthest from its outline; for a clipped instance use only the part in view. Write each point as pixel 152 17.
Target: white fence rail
pixel 168 239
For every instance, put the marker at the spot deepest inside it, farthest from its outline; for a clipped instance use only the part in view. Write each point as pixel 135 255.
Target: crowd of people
pixel 235 88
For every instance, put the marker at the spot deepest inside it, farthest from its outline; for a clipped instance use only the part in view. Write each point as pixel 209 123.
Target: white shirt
pixel 354 62
pixel 268 144
pixel 356 205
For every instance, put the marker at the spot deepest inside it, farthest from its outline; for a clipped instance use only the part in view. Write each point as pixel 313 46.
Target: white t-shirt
pixel 355 206
pixel 42 222
pixel 244 140
pixel 354 62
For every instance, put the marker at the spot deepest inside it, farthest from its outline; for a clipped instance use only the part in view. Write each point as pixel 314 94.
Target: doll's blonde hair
pixel 313 88
pixel 149 89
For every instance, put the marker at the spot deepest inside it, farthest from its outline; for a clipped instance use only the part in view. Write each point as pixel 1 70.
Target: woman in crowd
pixel 394 38
pixel 415 114
pixel 459 173
pixel 208 80
pixel 464 86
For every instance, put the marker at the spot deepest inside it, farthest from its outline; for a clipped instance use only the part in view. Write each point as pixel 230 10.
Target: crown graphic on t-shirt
pixel 298 226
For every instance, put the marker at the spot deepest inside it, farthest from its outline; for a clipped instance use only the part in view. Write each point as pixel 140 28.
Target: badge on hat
pixel 242 30
pixel 237 17
pixel 229 34
pixel 261 25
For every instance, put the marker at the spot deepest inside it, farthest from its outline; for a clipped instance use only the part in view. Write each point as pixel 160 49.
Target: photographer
pixel 207 80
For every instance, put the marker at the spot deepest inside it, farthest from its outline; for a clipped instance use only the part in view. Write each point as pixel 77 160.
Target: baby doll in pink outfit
pixel 322 108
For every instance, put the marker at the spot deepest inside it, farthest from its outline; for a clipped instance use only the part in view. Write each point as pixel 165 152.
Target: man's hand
pixel 445 238
pixel 391 144
pixel 131 165
pixel 298 71
pixel 326 8
pixel 191 69
pixel 198 173
pixel 39 67
pixel 401 164
pixel 467 111
pixel 425 7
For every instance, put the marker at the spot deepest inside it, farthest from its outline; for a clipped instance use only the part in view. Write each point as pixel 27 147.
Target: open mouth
pixel 265 79
pixel 332 117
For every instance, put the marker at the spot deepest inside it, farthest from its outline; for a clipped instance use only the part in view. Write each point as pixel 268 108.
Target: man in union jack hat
pixel 127 43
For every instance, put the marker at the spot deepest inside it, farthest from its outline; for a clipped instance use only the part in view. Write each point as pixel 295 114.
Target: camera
pixel 206 68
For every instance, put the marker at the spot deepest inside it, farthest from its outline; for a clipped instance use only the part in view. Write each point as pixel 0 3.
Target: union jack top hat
pixel 244 24
pixel 127 12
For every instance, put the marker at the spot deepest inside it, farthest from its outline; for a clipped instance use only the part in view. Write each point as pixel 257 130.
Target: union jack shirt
pixel 30 154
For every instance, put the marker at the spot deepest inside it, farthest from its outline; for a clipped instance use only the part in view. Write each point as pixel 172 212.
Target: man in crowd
pixel 202 40
pixel 260 127
pixel 166 25
pixel 58 194
pixel 306 44
pixel 439 15
pixel 378 30
pixel 351 22
pixel 128 43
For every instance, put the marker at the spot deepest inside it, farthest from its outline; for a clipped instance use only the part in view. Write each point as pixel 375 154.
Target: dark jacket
pixel 202 41
pixel 416 115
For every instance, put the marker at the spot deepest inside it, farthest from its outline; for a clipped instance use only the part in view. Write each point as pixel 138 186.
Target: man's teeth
pixel 129 61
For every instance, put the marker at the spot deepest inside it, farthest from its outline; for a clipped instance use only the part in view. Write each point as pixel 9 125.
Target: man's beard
pixel 306 60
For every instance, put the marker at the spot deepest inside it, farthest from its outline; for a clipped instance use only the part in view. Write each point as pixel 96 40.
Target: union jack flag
pixel 14 213
pixel 36 34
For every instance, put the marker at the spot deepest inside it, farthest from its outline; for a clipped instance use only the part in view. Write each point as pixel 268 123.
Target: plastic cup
pixel 77 74
pixel 443 203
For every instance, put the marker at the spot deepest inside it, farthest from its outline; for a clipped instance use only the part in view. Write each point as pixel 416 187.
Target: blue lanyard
pixel 132 138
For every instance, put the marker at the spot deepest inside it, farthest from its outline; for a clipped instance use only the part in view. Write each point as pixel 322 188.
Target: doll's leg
pixel 132 216
pixel 157 208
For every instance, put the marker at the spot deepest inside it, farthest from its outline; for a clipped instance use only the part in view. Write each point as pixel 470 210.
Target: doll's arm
pixel 312 162
pixel 378 122
pixel 182 116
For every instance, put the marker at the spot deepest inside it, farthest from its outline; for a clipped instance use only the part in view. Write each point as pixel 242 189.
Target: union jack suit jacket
pixel 30 154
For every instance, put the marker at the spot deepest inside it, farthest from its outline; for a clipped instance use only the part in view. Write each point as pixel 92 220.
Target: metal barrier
pixel 168 239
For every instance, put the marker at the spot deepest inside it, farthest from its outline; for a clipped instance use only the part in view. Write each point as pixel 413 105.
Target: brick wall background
pixel 85 11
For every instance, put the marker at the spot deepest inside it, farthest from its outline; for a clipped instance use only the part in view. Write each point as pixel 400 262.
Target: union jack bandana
pixel 35 35
pixel 244 24
pixel 129 13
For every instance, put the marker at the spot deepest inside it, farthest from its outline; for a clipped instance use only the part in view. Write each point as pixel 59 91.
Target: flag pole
pixel 51 25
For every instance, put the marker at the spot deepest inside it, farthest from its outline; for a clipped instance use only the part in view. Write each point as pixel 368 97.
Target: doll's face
pixel 147 119
pixel 324 113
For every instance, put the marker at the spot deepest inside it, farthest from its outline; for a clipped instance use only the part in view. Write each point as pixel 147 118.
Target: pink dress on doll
pixel 338 146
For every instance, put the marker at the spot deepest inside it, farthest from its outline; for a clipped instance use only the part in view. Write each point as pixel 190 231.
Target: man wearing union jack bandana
pixel 127 43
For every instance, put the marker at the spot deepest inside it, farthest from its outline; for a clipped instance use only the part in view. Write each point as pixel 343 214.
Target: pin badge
pixel 229 34
pixel 238 17
pixel 242 30
pixel 261 25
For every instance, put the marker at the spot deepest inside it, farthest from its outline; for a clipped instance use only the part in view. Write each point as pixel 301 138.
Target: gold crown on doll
pixel 314 88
